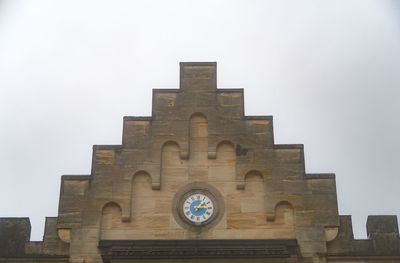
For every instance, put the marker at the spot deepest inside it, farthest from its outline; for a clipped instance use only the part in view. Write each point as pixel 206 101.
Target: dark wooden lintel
pixel 179 249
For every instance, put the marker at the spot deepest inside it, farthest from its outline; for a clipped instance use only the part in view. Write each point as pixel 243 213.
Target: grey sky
pixel 328 71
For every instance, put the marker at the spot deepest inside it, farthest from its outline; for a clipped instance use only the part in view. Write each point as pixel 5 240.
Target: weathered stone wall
pixel 383 240
pixel 14 232
pixel 15 244
pixel 196 134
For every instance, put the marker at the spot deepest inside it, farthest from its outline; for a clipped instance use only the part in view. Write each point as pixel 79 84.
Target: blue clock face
pixel 198 208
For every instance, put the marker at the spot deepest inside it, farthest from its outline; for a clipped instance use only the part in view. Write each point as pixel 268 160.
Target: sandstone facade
pixel 267 209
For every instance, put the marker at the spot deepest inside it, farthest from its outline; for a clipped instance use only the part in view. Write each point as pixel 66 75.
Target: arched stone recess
pixel 141 190
pixel 153 171
pixel 198 137
pixel 173 168
pixel 111 220
pixel 222 170
pixel 242 177
pixel 253 196
pixel 170 154
pixel 183 155
pixel 214 142
pixel 225 151
pixel 282 213
pixel 125 202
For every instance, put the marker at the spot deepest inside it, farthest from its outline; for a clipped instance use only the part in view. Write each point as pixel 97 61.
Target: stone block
pixel 199 174
pixel 315 234
pixel 233 203
pixel 382 224
pixel 105 157
pixel 253 204
pixel 14 232
pixel 322 186
pixel 221 173
pixel 34 248
pixel 198 76
pixel 241 221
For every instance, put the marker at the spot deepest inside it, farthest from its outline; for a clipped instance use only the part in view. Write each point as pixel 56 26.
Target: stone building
pixel 199 181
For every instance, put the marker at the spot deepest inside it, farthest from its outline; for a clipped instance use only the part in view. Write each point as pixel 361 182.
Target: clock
pixel 198 206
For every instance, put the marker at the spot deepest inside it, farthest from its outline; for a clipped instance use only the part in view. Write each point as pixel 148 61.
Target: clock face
pixel 198 208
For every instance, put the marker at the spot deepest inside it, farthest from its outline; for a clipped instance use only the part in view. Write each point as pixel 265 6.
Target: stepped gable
pixel 199 180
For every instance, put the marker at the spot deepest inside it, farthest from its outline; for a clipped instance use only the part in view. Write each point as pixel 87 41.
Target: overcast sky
pixel 328 71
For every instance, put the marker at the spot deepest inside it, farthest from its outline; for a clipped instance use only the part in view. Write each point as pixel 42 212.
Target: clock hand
pixel 198 206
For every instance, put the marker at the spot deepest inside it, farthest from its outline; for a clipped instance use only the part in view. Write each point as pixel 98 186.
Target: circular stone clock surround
pixel 202 189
